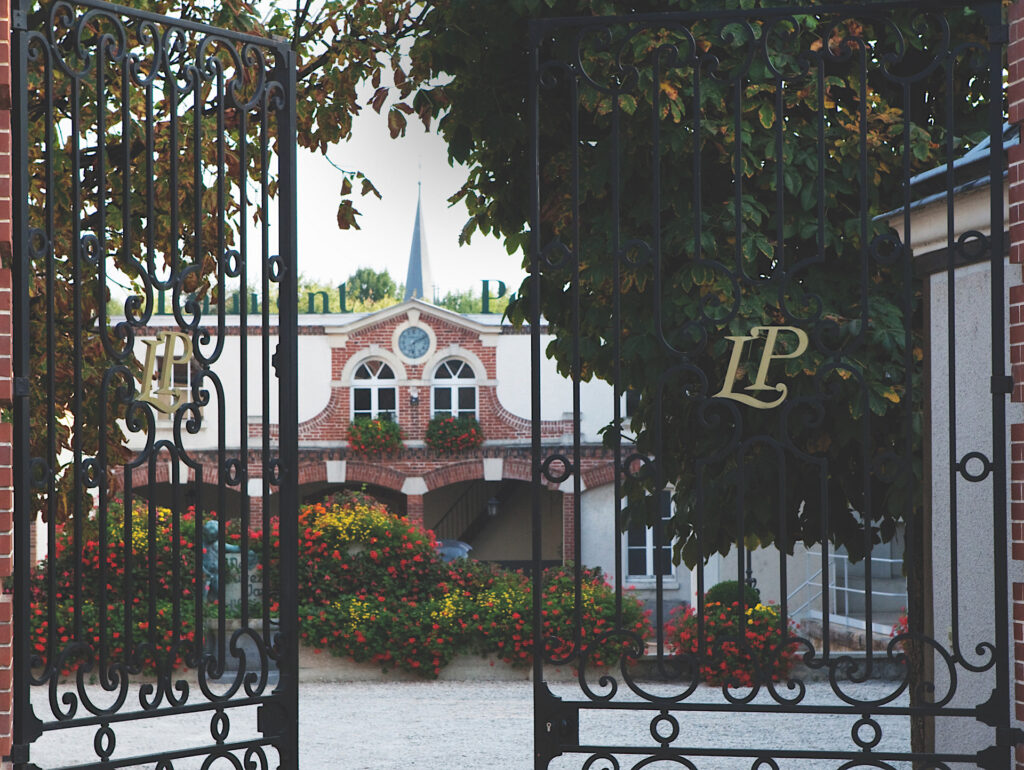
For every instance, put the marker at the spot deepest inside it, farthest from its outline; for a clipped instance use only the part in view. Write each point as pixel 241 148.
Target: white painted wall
pixel 597 509
pixel 314 362
pixel 596 396
pixel 962 568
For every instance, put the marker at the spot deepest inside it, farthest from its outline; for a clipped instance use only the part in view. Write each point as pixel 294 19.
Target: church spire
pixel 418 280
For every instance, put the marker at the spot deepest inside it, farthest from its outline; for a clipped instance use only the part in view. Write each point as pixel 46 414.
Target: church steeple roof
pixel 419 283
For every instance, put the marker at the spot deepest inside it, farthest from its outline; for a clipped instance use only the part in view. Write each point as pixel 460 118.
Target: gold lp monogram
pixel 167 397
pixel 767 356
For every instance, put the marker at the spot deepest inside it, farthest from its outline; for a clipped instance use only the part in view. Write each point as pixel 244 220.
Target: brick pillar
pixel 414 509
pixel 1015 62
pixel 568 526
pixel 6 384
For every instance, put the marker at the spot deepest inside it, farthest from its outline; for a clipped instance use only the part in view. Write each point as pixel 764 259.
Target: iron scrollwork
pixel 145 137
pixel 772 408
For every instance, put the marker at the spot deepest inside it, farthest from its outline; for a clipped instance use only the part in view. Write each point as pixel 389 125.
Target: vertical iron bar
pixel 51 347
pixel 243 360
pixel 951 360
pixel 535 396
pixel 662 505
pixel 288 686
pixel 268 556
pixel 75 255
pixel 826 598
pixel 993 15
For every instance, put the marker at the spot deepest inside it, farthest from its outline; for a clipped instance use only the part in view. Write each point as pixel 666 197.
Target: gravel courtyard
pixel 471 726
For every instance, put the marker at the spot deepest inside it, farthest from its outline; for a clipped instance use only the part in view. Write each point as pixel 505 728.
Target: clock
pixel 414 342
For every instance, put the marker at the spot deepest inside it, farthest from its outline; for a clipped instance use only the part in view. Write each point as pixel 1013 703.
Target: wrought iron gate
pixel 754 224
pixel 154 300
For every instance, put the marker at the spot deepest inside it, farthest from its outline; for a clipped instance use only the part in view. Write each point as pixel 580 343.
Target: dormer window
pixel 454 391
pixel 373 392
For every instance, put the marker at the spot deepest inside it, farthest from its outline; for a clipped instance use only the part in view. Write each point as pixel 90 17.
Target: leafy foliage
pixel 83 167
pixel 471 301
pixel 788 182
pixel 365 290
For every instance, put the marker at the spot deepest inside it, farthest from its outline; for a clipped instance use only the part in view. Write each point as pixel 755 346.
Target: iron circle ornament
pixel 220 726
pixel 866 733
pixel 963 467
pixel 972 245
pixel 104 742
pixel 547 468
pixel 658 725
pixel 275 268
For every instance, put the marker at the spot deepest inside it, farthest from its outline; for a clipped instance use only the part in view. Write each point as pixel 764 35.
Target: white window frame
pixel 374 384
pixel 669 579
pixel 453 385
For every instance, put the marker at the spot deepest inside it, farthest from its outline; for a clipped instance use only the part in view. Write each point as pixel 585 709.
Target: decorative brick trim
pixel 599 476
pixel 467 470
pixel 377 474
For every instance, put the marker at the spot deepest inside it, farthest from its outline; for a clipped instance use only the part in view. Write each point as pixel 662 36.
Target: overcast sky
pixel 394 166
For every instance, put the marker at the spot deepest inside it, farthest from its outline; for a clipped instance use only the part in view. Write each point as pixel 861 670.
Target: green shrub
pixel 728 591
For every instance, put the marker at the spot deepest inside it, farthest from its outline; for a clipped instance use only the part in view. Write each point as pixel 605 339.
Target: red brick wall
pixel 1015 60
pixel 496 422
pixel 6 342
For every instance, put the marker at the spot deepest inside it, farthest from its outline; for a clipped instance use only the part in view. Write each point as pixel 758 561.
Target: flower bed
pixel 451 435
pixel 742 648
pixel 374 588
pixel 367 436
pixel 154 636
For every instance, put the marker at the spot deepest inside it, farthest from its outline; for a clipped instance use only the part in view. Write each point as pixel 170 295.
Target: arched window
pixel 373 391
pixel 454 391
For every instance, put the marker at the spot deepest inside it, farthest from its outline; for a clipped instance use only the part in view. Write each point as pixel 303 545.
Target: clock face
pixel 414 342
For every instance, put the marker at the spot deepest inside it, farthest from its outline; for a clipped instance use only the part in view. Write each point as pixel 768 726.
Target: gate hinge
pixel 21 386
pixel 1002 384
pixel 999 33
pixel 270 719
pixel 995 757
pixel 992 711
pixel 1009 736
pixel 557 725
pixel 19 756
pixel 19 21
